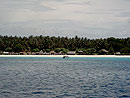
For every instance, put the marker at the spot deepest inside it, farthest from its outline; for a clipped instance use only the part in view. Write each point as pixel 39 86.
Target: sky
pixel 84 18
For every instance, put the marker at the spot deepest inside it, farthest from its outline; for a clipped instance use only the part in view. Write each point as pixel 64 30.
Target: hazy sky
pixel 85 18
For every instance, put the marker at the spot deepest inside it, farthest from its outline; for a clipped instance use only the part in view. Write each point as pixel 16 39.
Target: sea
pixel 55 77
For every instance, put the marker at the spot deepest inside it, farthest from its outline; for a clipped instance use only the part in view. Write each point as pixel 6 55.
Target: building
pixel 41 52
pixel 52 52
pixel 71 53
pixel 22 53
pixel 117 53
pixel 45 53
pixel 103 51
pixel 14 53
pixel 80 52
pixel 29 53
pixel 5 53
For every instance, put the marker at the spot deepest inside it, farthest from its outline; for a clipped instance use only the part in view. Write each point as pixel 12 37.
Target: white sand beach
pixel 64 55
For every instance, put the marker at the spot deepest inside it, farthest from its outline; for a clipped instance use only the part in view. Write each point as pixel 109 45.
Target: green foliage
pixel 57 50
pixel 43 50
pixel 125 50
pixel 111 51
pixel 8 49
pixel 35 50
pixel 90 51
pixel 64 44
pixel 48 50
pixel 18 48
pixel 64 51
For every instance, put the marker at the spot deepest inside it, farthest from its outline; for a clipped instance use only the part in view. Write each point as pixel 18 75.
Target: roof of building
pixel 104 50
pixel 71 52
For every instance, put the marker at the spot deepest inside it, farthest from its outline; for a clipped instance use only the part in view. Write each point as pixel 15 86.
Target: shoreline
pixel 64 55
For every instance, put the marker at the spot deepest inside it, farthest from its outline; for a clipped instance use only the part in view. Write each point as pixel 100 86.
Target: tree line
pixel 64 44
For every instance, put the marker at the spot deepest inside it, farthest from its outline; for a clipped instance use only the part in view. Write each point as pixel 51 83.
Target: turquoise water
pixel 40 77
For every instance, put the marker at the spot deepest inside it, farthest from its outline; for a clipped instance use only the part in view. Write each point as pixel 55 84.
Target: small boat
pixel 64 57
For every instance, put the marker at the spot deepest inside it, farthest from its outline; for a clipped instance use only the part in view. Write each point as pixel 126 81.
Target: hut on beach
pixel 52 52
pixel 71 53
pixel 5 53
pixel 41 52
pixel 22 53
pixel 80 52
pixel 117 53
pixel 103 51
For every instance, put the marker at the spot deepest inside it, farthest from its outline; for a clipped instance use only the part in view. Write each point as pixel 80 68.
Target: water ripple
pixel 71 78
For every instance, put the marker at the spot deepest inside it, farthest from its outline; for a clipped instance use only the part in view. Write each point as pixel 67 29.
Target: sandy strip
pixel 64 55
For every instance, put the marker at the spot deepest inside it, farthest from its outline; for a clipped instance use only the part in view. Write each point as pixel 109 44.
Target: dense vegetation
pixel 64 44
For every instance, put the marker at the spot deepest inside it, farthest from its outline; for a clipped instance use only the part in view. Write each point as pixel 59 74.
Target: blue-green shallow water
pixel 40 77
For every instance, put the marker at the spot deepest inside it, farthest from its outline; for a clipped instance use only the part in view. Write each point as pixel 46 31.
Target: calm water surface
pixel 64 78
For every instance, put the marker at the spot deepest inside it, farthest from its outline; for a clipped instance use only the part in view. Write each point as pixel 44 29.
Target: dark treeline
pixel 46 43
